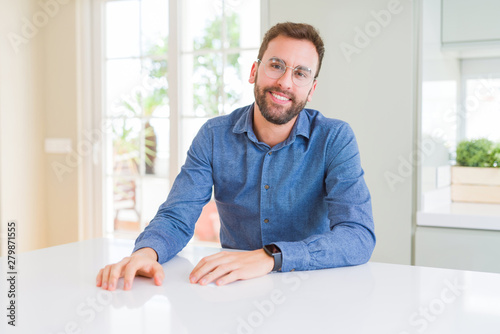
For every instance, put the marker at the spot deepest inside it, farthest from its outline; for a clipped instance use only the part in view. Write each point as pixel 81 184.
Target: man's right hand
pixel 143 262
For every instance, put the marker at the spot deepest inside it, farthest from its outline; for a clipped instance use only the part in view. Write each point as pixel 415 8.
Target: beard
pixel 277 114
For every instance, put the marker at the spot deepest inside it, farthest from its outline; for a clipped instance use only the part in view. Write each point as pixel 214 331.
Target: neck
pixel 270 133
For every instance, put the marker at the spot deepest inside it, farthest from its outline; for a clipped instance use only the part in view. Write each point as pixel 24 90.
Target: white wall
pixel 22 162
pixel 38 100
pixel 373 91
pixel 61 121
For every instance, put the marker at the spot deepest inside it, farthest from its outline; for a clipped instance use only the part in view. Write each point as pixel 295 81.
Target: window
pixel 218 43
pixel 481 99
pixel 137 111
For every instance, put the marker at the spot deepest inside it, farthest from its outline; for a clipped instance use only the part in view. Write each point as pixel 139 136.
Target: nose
pixel 285 81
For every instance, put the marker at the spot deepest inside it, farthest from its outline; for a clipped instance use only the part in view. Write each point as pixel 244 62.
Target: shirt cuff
pixel 295 255
pixel 156 245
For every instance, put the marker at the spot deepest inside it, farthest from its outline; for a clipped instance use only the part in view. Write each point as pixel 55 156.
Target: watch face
pixel 273 248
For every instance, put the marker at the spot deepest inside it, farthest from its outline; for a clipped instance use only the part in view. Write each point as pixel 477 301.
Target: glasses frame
pixel 290 67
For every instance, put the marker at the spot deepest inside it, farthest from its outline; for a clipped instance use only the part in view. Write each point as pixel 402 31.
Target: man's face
pixel 280 100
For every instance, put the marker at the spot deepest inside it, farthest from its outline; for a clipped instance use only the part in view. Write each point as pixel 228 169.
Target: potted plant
pixel 476 177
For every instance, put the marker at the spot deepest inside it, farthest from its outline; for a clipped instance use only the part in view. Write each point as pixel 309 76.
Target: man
pixel 287 181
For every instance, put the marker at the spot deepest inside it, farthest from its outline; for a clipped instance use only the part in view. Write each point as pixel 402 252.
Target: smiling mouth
pixel 279 97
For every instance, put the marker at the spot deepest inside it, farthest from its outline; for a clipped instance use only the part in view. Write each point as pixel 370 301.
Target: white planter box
pixel 475 184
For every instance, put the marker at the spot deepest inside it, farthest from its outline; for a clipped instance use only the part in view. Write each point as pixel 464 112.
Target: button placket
pixel 265 205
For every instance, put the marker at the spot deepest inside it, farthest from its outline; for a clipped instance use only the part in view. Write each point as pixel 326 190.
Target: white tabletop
pixel 57 294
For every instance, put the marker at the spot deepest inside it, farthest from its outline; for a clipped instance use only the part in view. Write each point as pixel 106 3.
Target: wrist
pixel 273 251
pixel 148 252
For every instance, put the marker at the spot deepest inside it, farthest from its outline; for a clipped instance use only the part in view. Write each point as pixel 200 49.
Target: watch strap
pixel 274 251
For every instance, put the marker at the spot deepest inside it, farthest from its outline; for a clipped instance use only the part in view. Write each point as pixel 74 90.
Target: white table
pixel 57 294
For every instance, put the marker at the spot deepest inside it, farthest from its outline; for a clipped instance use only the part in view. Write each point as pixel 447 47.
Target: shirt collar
pixel 245 124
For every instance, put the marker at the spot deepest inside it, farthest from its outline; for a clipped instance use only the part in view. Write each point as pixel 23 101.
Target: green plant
pixel 143 103
pixel 125 148
pixel 494 160
pixel 478 153
pixel 209 92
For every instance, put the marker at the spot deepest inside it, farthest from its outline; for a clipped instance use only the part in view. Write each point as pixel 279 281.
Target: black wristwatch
pixel 275 252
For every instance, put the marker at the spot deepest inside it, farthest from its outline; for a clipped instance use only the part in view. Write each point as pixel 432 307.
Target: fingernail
pixel 126 286
pixel 203 281
pixel 104 285
pixel 110 286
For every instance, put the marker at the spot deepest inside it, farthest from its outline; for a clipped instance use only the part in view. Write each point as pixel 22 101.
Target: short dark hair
pixel 296 31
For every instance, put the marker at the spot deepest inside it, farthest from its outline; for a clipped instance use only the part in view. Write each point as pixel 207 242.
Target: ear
pixel 313 88
pixel 253 72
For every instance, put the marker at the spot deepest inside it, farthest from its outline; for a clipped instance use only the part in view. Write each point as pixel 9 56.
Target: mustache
pixel 279 90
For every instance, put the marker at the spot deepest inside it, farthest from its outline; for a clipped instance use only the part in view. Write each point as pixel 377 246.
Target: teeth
pixel 279 97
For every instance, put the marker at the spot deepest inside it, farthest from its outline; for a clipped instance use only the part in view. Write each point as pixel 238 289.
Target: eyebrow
pixel 300 66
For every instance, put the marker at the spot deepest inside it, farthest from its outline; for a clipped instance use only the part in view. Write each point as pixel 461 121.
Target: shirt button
pixel 293 269
pixel 270 153
pixel 266 221
pixel 266 186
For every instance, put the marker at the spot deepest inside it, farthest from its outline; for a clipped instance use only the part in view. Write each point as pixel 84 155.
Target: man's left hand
pixel 226 267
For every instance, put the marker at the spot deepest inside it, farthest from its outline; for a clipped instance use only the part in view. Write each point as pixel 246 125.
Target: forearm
pixel 164 237
pixel 173 225
pixel 346 245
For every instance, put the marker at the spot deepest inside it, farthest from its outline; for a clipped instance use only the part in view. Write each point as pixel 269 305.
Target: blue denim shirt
pixel 307 194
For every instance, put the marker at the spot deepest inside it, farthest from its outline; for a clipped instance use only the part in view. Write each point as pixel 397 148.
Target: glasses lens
pixel 302 76
pixel 275 68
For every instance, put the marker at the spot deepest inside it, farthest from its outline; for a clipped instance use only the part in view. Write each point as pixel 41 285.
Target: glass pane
pixel 482 102
pixel 153 94
pixel 439 116
pixel 126 198
pixel 156 145
pixel 133 91
pixel 122 29
pixel 154 193
pixel 238 91
pixel 242 30
pixel 126 146
pixel 201 25
pixel 154 27
pixel 204 86
pixel 123 79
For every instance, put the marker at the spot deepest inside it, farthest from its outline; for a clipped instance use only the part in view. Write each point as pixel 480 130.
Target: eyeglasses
pixel 274 68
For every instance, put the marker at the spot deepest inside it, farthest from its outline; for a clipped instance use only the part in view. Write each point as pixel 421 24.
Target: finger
pixel 98 280
pixel 207 259
pixel 205 266
pixel 137 267
pixel 217 273
pixel 116 272
pixel 105 277
pixel 129 274
pixel 199 270
pixel 229 278
pixel 159 274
